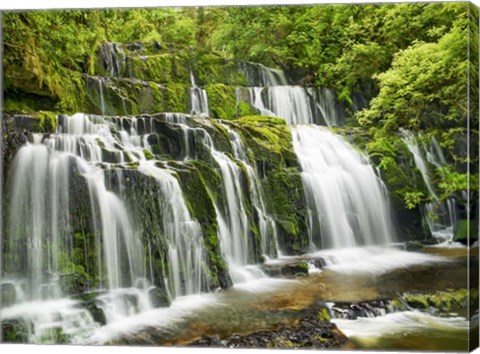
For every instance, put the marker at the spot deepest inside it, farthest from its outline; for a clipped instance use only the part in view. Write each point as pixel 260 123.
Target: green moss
pixel 448 300
pixel 245 109
pixel 270 142
pixel 148 154
pixel 197 181
pixel 20 102
pixel 463 229
pixel 157 95
pixel 324 315
pixel 177 97
pixel 160 68
pixel 222 101
pixel 47 121
pixel 211 68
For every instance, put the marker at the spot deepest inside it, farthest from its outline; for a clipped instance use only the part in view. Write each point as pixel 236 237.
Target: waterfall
pixel 232 217
pixel 186 253
pixel 266 223
pixel 198 98
pixel 113 59
pixel 40 242
pixel 183 234
pixel 347 204
pixel 271 95
pixel 233 225
pixel 439 215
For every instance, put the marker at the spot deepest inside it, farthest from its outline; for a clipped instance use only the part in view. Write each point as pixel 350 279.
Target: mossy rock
pixel 449 300
pixel 464 231
pixel 198 182
pixel 210 68
pixel 14 331
pixel 222 101
pixel 161 68
pixel 270 142
pixel 47 121
pixel 159 297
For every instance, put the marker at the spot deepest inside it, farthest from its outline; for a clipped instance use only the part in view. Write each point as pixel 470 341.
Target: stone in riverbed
pixel 309 332
pixel 295 269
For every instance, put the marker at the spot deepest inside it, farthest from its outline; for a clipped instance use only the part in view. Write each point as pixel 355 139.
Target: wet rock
pixel 296 269
pixel 352 311
pixel 97 313
pixel 159 297
pixel 14 331
pixel 89 302
pixel 310 332
pixel 8 294
pixel 73 283
pixel 413 245
pixel 448 300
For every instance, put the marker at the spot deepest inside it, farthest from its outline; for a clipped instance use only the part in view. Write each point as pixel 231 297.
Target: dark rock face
pixel 311 332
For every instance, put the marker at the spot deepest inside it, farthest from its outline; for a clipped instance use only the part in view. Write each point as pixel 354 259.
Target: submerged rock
pixel 310 332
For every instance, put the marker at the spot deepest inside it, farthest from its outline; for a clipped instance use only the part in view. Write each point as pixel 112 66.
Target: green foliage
pixel 301 39
pixel 425 86
pixel 413 199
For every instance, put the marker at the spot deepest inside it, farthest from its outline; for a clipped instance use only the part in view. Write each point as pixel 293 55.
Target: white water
pixel 39 230
pixel 231 214
pixel 373 260
pixel 266 224
pixel 369 331
pixel 347 204
pixel 183 234
pixel 198 98
pixel 272 96
pixel 439 215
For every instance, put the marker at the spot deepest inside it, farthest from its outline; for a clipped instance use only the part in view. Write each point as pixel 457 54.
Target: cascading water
pixel 183 234
pixel 346 201
pixel 41 176
pixel 347 204
pixel 232 217
pixel 233 225
pixel 272 96
pixel 198 98
pixel 266 223
pixel 439 215
pixel 40 237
